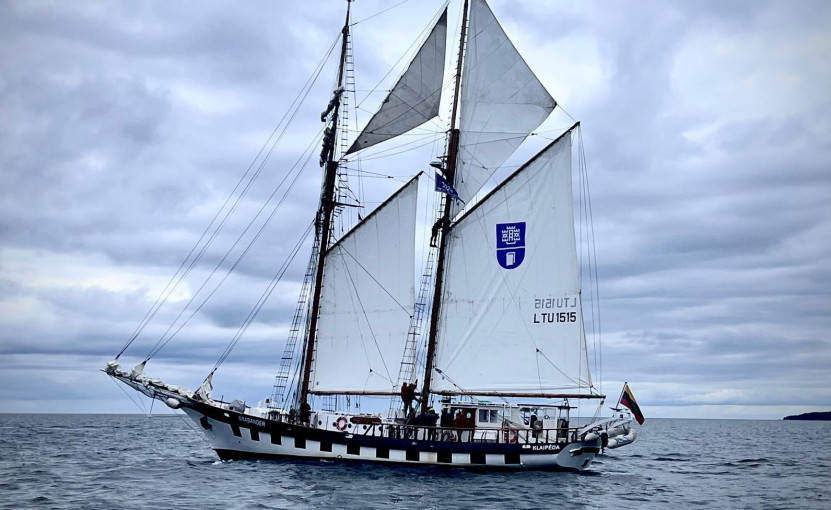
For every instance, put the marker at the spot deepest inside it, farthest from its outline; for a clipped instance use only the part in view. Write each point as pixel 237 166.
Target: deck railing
pixel 504 435
pixel 470 435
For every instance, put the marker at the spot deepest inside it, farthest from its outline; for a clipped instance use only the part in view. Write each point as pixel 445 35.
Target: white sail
pixel 502 102
pixel 415 97
pixel 367 300
pixel 511 318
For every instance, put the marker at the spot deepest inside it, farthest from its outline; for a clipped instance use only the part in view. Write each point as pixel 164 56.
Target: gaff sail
pixel 511 317
pixel 367 298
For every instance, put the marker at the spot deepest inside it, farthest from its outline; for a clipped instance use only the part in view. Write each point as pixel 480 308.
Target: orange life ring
pixel 341 423
pixel 510 435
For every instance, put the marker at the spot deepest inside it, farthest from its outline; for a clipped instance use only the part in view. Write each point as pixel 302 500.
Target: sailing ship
pixel 501 295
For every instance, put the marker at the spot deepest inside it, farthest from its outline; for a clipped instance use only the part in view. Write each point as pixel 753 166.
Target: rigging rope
pixel 168 290
pixel 409 314
pixel 297 170
pixel 265 295
pixel 417 40
pixel 379 13
pixel 596 335
pixel 354 294
pixel 135 402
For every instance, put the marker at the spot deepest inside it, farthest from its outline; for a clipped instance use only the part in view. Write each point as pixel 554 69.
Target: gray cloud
pixel 123 128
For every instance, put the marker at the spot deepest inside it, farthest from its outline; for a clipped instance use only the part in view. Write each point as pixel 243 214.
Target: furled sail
pixel 415 97
pixel 367 300
pixel 502 101
pixel 511 317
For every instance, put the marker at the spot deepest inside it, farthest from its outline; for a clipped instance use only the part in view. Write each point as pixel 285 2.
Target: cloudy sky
pixel 125 126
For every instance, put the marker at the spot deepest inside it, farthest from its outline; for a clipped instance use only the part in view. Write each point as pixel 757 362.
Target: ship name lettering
pixel 544 447
pixel 252 421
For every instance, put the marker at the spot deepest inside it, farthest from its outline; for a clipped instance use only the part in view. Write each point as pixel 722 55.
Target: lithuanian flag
pixel 627 399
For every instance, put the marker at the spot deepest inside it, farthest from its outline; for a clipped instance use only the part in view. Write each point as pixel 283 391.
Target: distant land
pixel 822 415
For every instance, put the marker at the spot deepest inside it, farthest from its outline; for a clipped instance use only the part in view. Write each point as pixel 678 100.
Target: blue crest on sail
pixel 510 244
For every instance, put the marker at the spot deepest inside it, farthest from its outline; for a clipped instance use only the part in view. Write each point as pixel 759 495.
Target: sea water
pixel 160 462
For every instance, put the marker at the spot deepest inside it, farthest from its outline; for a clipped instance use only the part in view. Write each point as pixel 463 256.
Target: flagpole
pixel 622 390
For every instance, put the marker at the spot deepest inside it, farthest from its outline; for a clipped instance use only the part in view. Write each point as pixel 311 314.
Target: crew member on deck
pixel 430 419
pixel 305 413
pixel 459 424
pixel 446 424
pixel 536 427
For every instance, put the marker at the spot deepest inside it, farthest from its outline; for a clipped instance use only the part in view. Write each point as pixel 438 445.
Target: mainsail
pixel 502 101
pixel 367 297
pixel 511 318
pixel 415 97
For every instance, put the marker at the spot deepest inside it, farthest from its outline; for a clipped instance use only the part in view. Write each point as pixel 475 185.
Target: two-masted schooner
pixel 503 302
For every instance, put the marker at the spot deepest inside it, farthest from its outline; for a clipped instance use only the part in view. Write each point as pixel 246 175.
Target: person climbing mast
pixel 408 395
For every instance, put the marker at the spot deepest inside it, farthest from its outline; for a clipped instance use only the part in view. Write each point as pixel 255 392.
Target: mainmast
pixel 324 214
pixel 444 221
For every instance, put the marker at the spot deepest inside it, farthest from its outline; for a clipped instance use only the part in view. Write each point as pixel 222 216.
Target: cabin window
pixel 477 458
pixel 255 434
pixel 235 430
pixel 488 416
pixel 353 449
pixel 326 446
pixel 275 438
pixel 445 457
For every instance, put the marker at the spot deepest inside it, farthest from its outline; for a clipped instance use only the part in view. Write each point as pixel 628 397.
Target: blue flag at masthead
pixel 446 188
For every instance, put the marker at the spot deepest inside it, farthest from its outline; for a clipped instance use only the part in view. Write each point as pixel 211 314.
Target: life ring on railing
pixel 341 423
pixel 510 435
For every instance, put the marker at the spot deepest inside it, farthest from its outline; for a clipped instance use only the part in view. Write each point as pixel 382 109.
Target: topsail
pixel 415 97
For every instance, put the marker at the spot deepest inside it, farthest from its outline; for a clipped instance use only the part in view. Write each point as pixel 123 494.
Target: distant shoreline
pixel 817 416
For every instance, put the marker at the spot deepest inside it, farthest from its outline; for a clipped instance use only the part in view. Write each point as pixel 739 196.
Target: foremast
pixel 444 218
pixel 324 215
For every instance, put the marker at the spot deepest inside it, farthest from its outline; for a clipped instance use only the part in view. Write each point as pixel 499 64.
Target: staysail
pixel 511 318
pixel 502 101
pixel 415 97
pixel 367 300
